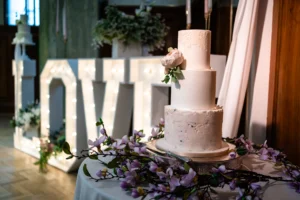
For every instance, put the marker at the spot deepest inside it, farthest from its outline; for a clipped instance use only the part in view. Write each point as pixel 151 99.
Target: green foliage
pixel 174 74
pixel 86 171
pixel 142 28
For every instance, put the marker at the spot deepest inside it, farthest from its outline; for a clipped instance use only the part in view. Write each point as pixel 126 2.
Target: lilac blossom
pixel 152 166
pixel 221 169
pixel 124 185
pixel 103 131
pixel 135 193
pixel 268 153
pixel 97 143
pixel 130 177
pixel 247 143
pixel 296 186
pixel 120 172
pixel 255 187
pixel 174 182
pixel 187 179
pixel 138 133
pixel 232 184
pixel 134 165
pixel 162 121
pixel 232 155
pixel 101 173
pixel 140 150
pixel 121 143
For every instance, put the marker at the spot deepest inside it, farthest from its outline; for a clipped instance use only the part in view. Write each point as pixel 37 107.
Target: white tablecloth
pixel 87 189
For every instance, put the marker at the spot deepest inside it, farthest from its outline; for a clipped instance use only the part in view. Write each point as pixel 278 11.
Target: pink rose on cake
pixel 172 62
pixel 172 59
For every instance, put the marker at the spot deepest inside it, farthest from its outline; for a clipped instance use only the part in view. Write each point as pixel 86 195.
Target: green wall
pixel 81 17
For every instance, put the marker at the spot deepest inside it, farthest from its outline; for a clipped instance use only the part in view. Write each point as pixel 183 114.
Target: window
pixel 15 8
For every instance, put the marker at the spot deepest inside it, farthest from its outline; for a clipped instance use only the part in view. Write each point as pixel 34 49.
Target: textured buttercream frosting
pixel 193 131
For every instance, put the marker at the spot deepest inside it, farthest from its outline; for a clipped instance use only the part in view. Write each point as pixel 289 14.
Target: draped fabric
pixel 236 75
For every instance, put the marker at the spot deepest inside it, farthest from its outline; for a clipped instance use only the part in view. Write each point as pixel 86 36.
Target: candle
pixel 210 5
pixel 205 6
pixel 188 12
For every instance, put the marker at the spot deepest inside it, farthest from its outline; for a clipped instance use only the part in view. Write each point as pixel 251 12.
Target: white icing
pixel 193 130
pixel 195 47
pixel 195 91
pixel 23 35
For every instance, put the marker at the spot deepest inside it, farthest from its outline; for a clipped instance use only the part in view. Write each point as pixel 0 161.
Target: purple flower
pixel 121 143
pixel 152 166
pixel 138 133
pixel 170 171
pixel 130 177
pixel 247 143
pixel 162 176
pixel 232 155
pixel 174 182
pixel 101 173
pixel 140 150
pixel 120 172
pixel 154 132
pixel 103 131
pixel 134 165
pixel 162 188
pixel 295 173
pixel 255 186
pixel 135 193
pixel 162 121
pixel 188 179
pixel 124 185
pixel 232 184
pixel 296 186
pixel 97 142
pixel 221 169
pixel 263 154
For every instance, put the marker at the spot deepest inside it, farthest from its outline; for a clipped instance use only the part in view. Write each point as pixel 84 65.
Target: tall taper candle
pixel 188 12
pixel 205 6
pixel 210 5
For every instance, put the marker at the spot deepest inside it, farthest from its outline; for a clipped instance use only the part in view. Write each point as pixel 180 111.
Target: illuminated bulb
pixel 93 105
pixel 20 79
pixel 91 88
pixel 121 70
pixel 53 71
pixel 146 115
pixel 146 93
pixel 74 100
pixel 116 91
pixel 74 150
pixel 59 69
pixel 110 127
pixel 113 109
pixel 48 111
pixel 113 70
pixel 86 69
pixel 74 133
pixel 47 81
pixel 74 84
pixel 147 70
pixel 48 126
pixel 48 96
pixel 38 148
pixel 161 70
pixel 74 117
pixel 60 158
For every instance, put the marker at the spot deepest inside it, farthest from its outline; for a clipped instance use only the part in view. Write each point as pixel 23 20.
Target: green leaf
pixel 93 157
pixel 241 151
pixel 100 120
pixel 108 149
pixel 98 123
pixel 85 171
pixel 174 79
pixel 186 167
pixel 178 71
pixel 113 163
pixel 71 156
pixel 66 148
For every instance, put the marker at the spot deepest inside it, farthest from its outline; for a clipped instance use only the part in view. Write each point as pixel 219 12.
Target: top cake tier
pixel 195 47
pixel 24 19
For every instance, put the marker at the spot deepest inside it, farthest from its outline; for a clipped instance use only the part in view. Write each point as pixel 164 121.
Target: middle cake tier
pixel 196 90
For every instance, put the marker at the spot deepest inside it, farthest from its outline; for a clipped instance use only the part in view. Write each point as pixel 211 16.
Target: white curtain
pixel 236 75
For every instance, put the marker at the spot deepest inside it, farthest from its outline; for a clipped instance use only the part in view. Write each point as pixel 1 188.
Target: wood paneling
pixel 284 110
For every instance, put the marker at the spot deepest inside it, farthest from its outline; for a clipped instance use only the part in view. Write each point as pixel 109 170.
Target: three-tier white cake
pixel 193 122
pixel 23 35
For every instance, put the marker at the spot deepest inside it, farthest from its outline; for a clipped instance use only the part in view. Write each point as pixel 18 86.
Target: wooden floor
pixel 20 179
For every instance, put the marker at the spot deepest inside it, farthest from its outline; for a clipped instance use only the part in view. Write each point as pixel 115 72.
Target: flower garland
pixel 144 174
pixel 27 117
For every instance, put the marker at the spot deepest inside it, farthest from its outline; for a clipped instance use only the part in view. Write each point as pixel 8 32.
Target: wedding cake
pixel 193 122
pixel 23 35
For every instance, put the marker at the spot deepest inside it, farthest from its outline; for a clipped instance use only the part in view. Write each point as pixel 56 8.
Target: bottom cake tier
pixel 193 131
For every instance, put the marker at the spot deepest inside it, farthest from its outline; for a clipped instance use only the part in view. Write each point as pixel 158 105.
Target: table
pixel 87 189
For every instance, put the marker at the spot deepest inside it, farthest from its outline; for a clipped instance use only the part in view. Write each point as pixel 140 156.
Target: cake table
pixel 87 189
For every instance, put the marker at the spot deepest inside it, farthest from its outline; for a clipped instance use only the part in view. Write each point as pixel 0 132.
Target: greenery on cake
pixel 143 174
pixel 27 117
pixel 143 27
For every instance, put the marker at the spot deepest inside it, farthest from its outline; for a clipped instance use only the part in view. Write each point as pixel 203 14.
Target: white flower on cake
pixel 172 62
pixel 172 59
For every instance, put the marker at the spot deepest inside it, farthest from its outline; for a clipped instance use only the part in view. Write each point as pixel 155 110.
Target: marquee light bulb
pixel 74 133
pixel 113 70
